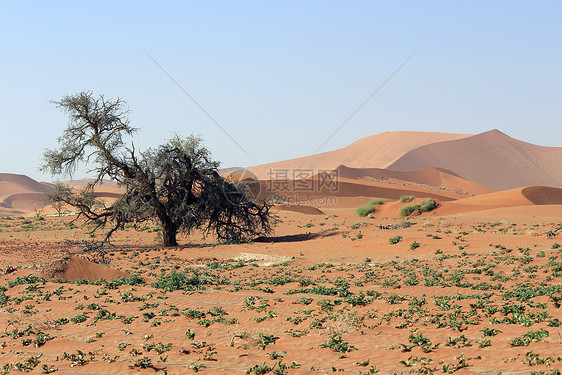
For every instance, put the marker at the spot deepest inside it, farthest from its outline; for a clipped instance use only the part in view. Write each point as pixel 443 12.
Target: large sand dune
pixel 492 159
pixel 441 166
pixel 376 151
pixel 20 194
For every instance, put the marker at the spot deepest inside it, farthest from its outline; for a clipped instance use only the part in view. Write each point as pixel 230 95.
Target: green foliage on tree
pixel 176 184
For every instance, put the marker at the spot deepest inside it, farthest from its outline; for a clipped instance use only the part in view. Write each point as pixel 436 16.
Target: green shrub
pixel 425 206
pixel 406 199
pixel 428 205
pixel 368 208
pixel 408 210
pixel 364 210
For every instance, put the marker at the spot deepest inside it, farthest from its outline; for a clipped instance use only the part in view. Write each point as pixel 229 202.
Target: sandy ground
pixel 472 292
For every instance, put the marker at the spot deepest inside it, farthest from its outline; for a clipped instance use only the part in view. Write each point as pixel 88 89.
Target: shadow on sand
pixel 296 237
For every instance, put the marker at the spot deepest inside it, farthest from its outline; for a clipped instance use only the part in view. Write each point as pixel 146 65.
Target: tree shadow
pixel 295 237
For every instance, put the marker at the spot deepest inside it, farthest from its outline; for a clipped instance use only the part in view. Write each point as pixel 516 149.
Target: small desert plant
pixel 78 359
pixel 484 343
pixel 260 369
pixel 196 366
pixel 48 369
pixel 189 334
pixel 144 362
pixel 338 344
pixel 486 331
pixel 395 240
pixel 529 337
pixel 265 340
pixel 419 339
pixel 275 355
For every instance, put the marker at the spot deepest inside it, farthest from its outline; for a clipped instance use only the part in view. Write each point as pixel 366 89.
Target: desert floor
pixel 470 293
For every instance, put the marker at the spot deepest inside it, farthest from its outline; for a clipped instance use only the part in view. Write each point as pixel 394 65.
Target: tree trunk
pixel 169 233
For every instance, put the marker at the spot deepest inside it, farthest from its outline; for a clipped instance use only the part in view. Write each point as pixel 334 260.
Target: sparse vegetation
pixel 436 304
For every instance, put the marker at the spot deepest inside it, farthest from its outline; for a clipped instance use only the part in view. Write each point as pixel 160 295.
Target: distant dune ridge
pixel 491 159
pixel 466 172
pixel 375 151
pixel 20 194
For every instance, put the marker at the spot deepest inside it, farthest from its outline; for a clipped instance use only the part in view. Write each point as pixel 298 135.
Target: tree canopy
pixel 177 183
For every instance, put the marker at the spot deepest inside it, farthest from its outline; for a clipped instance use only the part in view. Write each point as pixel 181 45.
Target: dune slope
pixel 436 177
pixel 19 193
pixel 376 151
pixel 16 183
pixel 528 196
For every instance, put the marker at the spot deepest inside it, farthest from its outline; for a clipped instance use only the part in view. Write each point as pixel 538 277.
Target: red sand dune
pixel 290 191
pixel 24 201
pixel 528 196
pixel 376 151
pixel 19 193
pixel 492 159
pixel 75 268
pixel 16 183
pixel 437 177
pixel 10 212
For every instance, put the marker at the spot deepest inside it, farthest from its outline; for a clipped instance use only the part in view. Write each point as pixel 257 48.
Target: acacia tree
pixel 176 183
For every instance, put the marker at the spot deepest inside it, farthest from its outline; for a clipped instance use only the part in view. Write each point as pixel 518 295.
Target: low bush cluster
pixel 417 209
pixel 369 208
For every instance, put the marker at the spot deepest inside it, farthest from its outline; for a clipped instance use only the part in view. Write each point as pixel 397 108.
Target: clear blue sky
pixel 281 76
